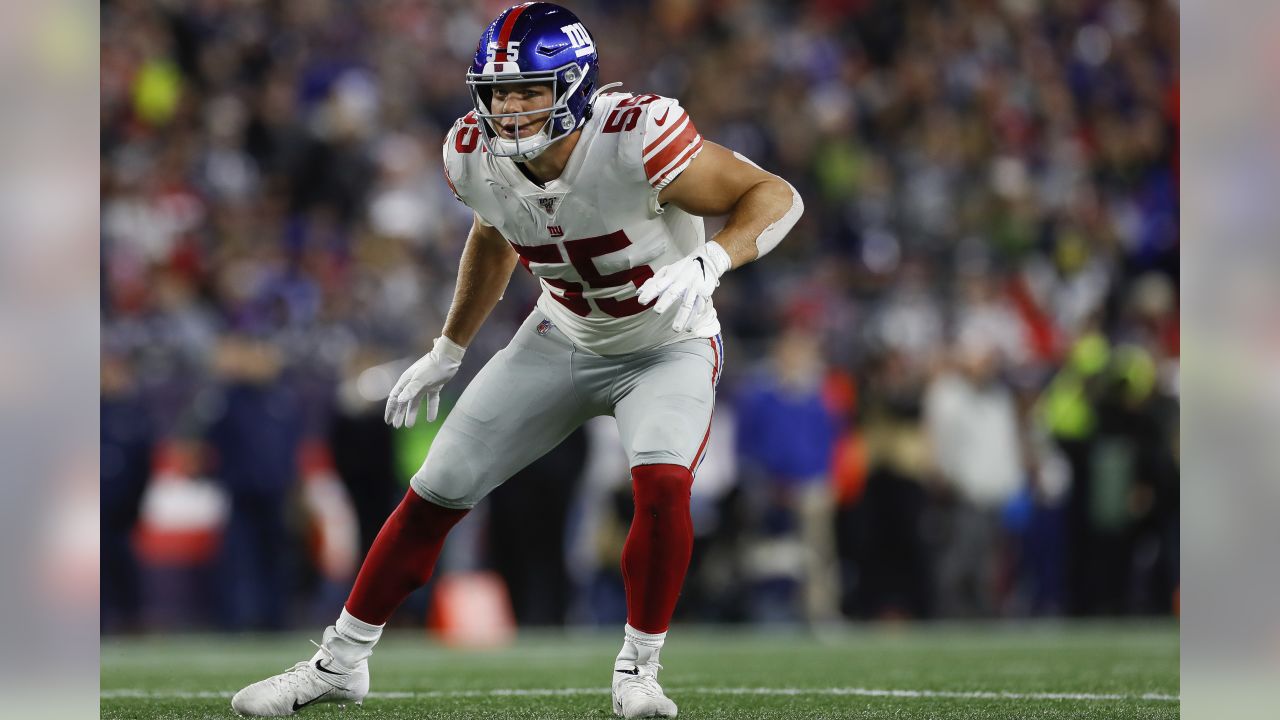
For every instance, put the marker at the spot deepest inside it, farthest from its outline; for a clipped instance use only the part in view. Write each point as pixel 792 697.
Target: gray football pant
pixel 540 387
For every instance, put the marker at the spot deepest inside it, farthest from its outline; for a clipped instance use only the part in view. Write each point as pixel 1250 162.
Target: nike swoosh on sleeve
pixel 662 119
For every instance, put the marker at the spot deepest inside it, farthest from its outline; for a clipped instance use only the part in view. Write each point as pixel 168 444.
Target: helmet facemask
pixel 564 82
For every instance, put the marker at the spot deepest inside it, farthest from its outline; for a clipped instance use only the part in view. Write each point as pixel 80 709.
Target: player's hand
pixel 424 378
pixel 687 284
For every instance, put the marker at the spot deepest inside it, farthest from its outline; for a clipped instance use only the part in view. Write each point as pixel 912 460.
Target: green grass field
pixel 1058 670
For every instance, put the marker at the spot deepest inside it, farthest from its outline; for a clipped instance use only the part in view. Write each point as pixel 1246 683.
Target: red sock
pixel 402 557
pixel 656 554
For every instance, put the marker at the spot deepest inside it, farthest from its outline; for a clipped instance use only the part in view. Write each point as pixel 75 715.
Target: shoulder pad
pixel 462 148
pixel 670 140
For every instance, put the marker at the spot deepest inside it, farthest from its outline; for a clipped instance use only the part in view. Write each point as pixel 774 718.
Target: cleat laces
pixel 647 681
pixel 301 676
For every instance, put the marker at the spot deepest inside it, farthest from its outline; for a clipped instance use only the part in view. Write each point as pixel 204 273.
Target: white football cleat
pixel 637 694
pixel 318 680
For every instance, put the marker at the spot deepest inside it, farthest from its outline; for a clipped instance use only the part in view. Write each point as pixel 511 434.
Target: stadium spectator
pixel 971 420
pixel 786 441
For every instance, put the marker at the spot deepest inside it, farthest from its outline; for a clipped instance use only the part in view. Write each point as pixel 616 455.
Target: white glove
pixel 689 282
pixel 426 376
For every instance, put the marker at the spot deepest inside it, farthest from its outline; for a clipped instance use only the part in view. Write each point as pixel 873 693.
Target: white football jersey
pixel 595 234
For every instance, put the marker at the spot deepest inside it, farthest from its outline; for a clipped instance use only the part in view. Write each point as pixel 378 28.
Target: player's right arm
pixel 487 262
pixel 483 274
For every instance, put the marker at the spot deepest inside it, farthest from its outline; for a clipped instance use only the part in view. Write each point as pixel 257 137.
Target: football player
pixel 600 195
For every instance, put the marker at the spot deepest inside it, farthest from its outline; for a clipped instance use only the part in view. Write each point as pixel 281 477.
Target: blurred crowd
pixel 951 392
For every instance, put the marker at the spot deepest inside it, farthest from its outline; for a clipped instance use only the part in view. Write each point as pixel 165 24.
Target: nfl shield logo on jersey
pixel 544 327
pixel 548 204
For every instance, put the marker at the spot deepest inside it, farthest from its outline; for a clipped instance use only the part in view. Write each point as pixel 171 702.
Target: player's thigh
pixel 520 405
pixel 664 415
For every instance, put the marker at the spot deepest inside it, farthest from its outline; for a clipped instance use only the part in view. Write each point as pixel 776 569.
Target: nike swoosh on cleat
pixel 298 706
pixel 662 119
pixel 632 671
pixel 324 669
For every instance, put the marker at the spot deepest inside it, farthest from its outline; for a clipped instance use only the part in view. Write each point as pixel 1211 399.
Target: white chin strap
pixel 528 148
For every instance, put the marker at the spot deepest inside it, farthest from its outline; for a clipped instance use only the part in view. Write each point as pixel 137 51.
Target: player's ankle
pixel 356 630
pixel 639 647
pixel 351 640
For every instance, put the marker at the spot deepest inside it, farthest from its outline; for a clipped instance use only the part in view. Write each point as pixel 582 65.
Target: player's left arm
pixel 761 206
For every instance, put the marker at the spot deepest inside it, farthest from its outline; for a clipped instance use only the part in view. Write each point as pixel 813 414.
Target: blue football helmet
pixel 534 43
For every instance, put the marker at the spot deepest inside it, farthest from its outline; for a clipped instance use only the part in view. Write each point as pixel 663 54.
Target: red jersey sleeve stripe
pixel 680 154
pixel 676 123
pixel 659 162
pixel 672 134
pixel 678 166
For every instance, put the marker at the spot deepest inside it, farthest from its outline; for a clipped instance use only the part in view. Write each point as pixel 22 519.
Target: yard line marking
pixel 122 693
pixel 949 694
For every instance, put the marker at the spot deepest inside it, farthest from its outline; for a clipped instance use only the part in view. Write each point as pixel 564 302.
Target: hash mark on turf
pixel 555 692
